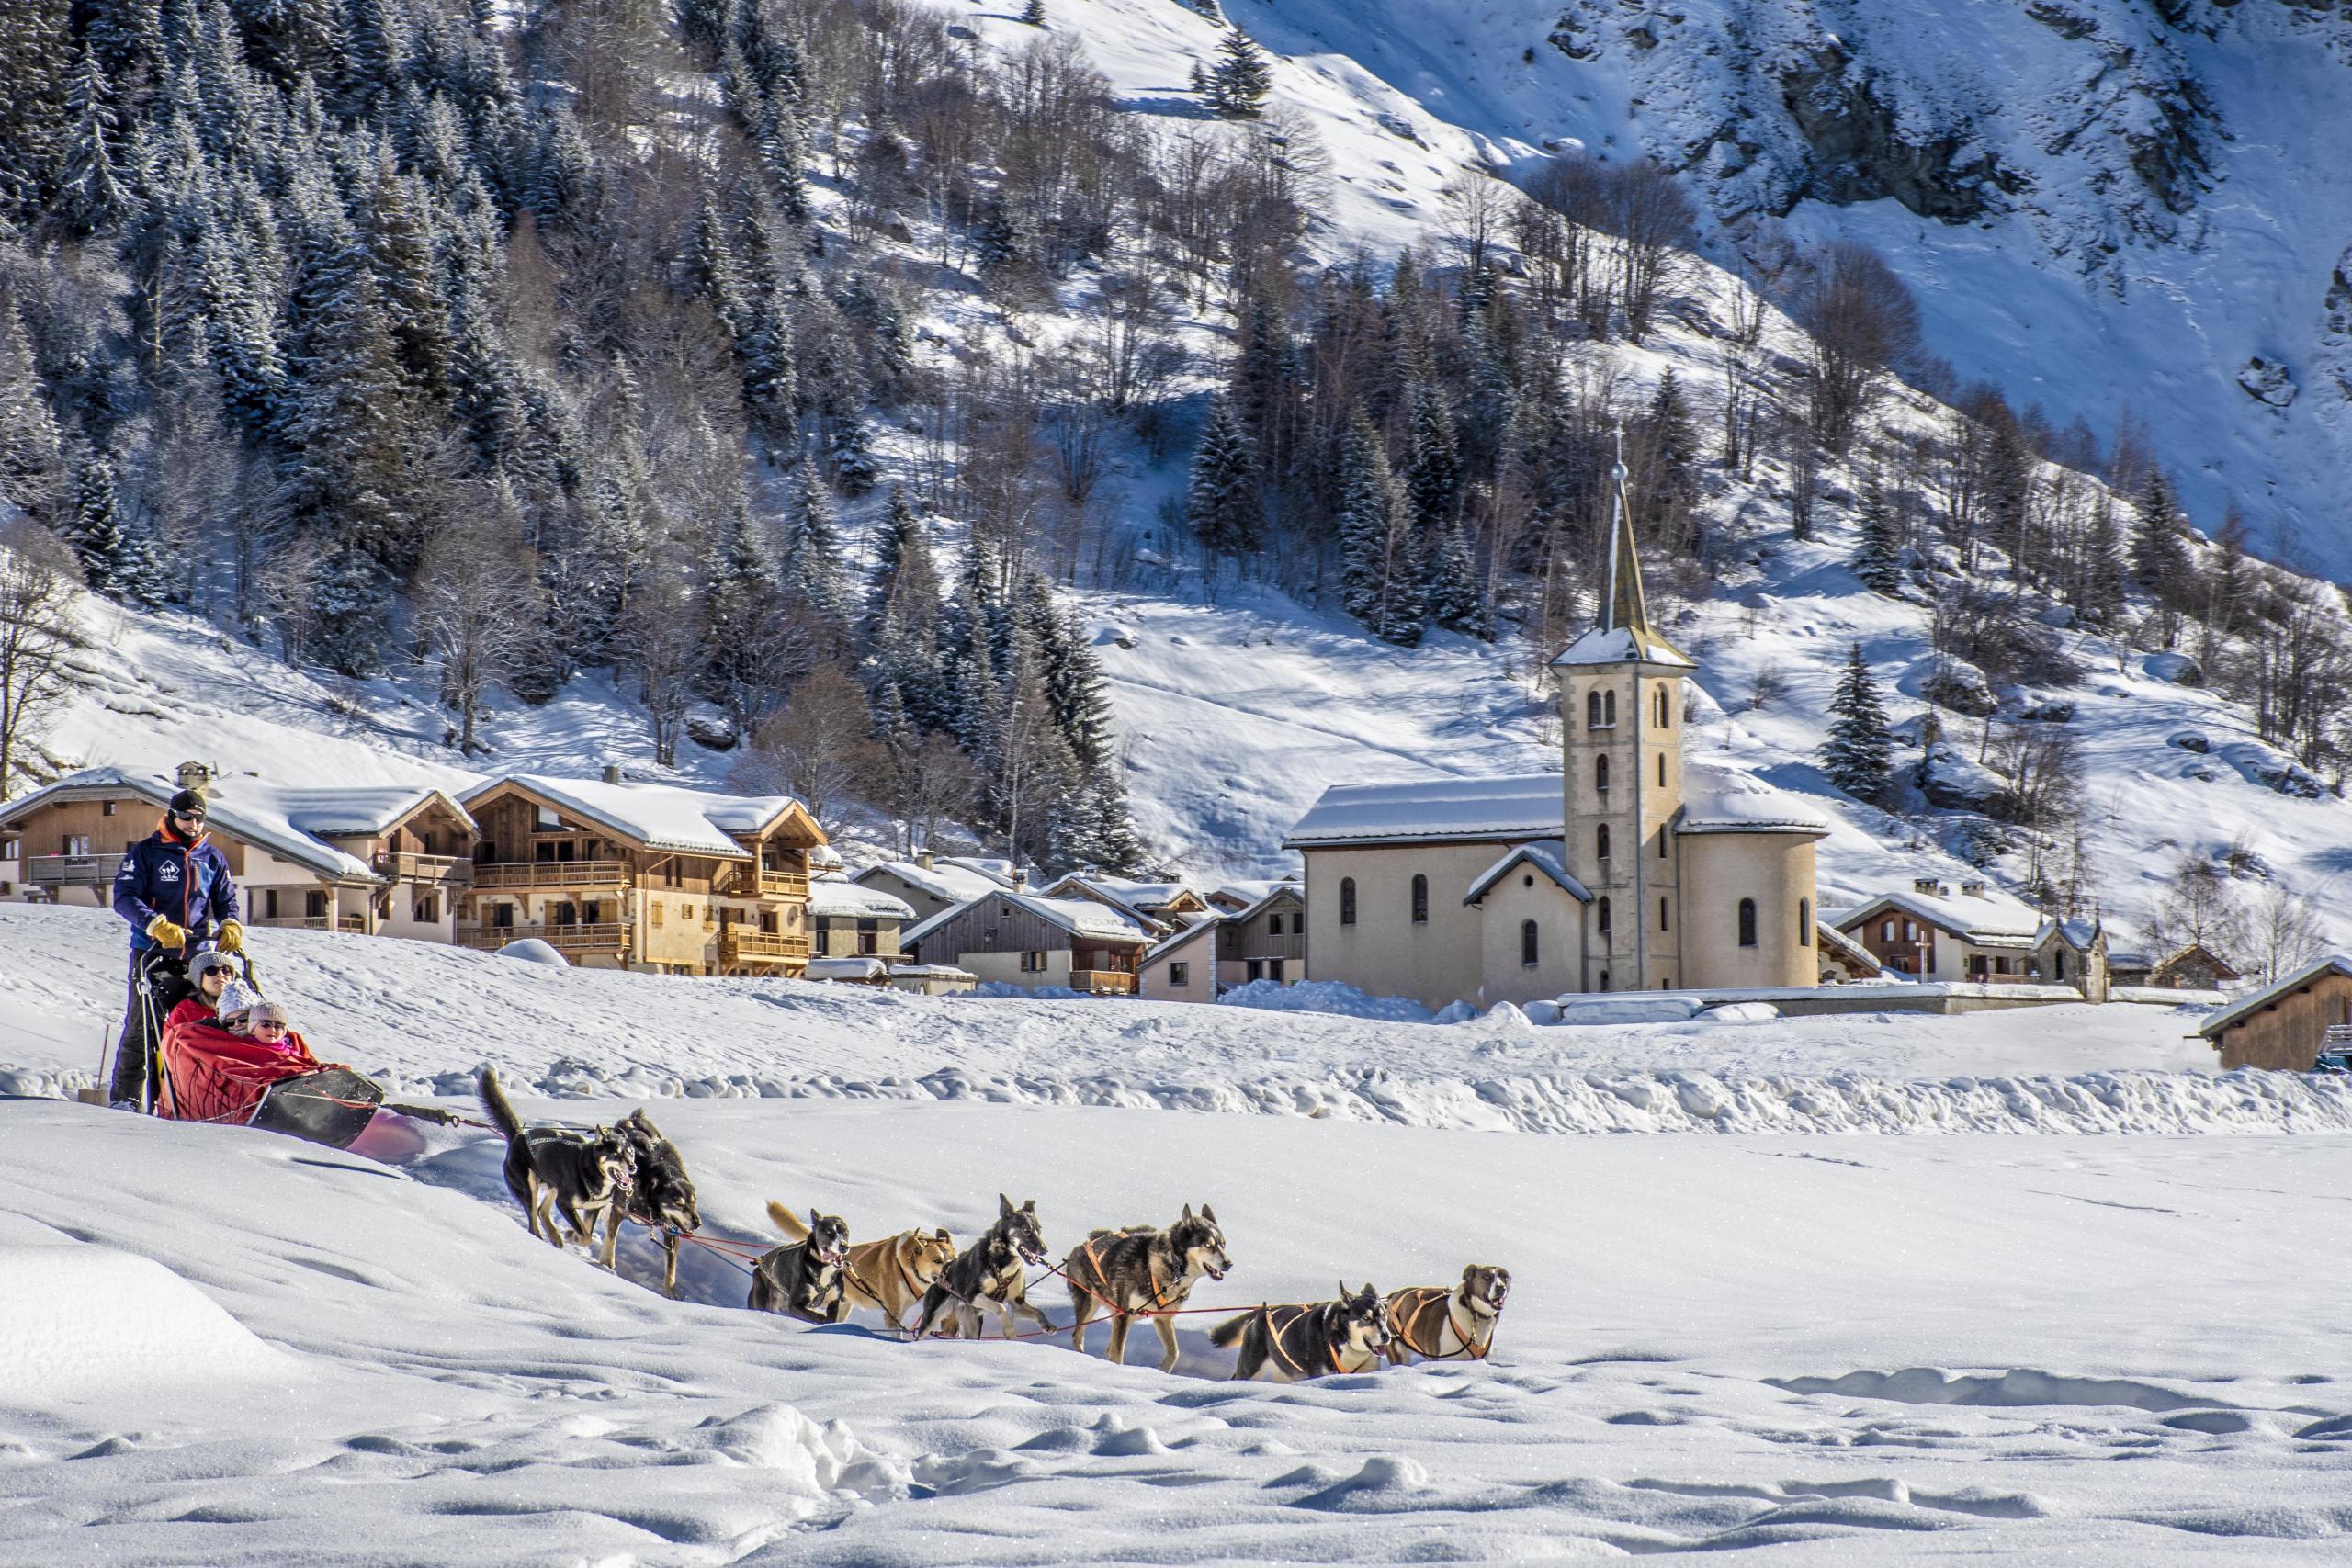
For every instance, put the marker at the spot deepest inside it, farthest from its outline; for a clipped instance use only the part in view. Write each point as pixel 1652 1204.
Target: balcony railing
pixel 602 938
pixel 72 871
pixel 553 874
pixel 430 870
pixel 758 947
pixel 311 923
pixel 1102 982
pixel 783 884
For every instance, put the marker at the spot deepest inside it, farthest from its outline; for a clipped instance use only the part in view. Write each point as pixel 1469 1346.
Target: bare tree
pixel 664 636
pixel 1863 318
pixel 1472 211
pixel 477 607
pixel 2284 932
pixel 930 780
pixel 39 637
pixel 2201 907
pixel 819 748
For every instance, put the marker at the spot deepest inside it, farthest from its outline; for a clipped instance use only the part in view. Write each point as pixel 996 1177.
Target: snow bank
pixel 86 1320
pixel 1325 996
pixel 532 950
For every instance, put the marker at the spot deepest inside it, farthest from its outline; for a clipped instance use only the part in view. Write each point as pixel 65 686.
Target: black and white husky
pixel 1143 1271
pixel 1345 1336
pixel 557 1170
pixel 991 1270
pixel 808 1279
pixel 661 1198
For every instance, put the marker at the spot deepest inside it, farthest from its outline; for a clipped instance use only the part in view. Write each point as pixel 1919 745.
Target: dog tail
pixel 787 1222
pixel 493 1101
pixel 1226 1335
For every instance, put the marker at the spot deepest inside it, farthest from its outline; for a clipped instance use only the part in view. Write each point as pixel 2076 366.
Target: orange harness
pixel 1424 1297
pixel 1274 1343
pixel 1159 1291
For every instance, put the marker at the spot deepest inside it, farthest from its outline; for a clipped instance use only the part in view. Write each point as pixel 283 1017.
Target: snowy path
pixel 1868 1351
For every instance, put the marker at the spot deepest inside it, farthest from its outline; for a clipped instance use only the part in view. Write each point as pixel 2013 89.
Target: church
pixel 1629 870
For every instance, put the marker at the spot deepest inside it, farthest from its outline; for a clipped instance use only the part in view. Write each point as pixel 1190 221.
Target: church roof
pixel 1725 800
pixel 1526 806
pixel 1624 635
pixel 1548 856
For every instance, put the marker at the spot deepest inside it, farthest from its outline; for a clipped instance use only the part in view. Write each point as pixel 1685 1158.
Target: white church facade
pixel 1629 870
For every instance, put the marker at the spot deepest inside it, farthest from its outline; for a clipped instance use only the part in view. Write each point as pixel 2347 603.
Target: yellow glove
pixel 231 938
pixel 164 934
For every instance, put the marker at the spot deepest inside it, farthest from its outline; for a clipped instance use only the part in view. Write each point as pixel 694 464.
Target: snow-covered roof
pixel 2078 934
pixel 1521 806
pixel 1549 856
pixel 845 969
pixel 1725 800
pixel 661 816
pixel 824 857
pixel 1135 895
pixel 1249 892
pixel 2256 1001
pixel 835 897
pixel 941 879
pixel 1990 918
pixel 347 812
pixel 994 867
pixel 244 809
pixel 1080 917
pixel 1853 952
pixel 1622 645
pixel 1194 923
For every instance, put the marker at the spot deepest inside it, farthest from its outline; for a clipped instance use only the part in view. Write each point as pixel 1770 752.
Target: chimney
pixel 612 773
pixel 196 776
pixel 1020 879
pixel 922 858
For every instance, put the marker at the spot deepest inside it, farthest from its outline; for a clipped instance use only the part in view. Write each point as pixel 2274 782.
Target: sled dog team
pixel 632 1172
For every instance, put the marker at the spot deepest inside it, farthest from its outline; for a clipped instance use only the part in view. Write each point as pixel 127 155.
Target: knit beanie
pixel 237 998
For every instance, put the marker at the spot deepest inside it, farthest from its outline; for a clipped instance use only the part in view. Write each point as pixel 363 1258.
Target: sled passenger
pixel 218 1071
pixel 213 974
pixel 174 891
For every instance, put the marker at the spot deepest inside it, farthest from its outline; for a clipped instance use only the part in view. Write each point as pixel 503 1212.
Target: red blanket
pixel 214 1076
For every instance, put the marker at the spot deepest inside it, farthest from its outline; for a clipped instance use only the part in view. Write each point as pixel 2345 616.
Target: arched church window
pixel 1601 919
pixel 1747 922
pixel 1592 708
pixel 1664 722
pixel 1527 939
pixel 1601 775
pixel 1347 900
pixel 1420 899
pixel 1804 922
pixel 1600 841
pixel 1609 710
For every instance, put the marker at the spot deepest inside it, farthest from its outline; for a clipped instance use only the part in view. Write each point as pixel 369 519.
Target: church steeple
pixel 1623 632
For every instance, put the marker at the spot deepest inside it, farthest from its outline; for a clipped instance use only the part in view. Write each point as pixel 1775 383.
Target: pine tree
pixel 810 554
pixel 31 451
pixel 1236 85
pixel 1432 460
pixel 1859 748
pixel 93 523
pixel 1034 12
pixel 90 193
pixel 1379 575
pixel 36 70
pixel 2103 567
pixel 1451 585
pixel 2160 559
pixel 1878 558
pixel 1222 498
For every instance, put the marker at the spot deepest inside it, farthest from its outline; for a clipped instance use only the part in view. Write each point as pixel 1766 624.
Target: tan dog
pixel 1439 1324
pixel 890 1275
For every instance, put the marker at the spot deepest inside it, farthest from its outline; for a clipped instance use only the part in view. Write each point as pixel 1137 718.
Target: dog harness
pixel 1159 1291
pixel 1425 1297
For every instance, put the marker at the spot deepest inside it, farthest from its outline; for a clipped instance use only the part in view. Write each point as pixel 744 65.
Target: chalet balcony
pixel 1102 982
pixel 738 947
pixel 72 871
pixel 565 939
pixel 535 874
pixel 429 870
pixel 357 923
pixel 783 884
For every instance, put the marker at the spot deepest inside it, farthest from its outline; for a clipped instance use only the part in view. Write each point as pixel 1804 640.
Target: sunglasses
pixel 188 816
pixel 268 1026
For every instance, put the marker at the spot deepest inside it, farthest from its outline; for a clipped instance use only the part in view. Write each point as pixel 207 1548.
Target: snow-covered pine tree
pixel 1432 473
pixel 1878 558
pixel 93 520
pixel 2160 559
pixel 1033 13
pixel 90 192
pixel 1236 85
pixel 1450 585
pixel 903 616
pixel 36 73
pixel 1859 748
pixel 1222 498
pixel 2102 591
pixel 31 451
pixel 1380 580
pixel 809 553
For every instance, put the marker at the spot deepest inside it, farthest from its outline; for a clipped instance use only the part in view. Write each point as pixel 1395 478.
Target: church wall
pixel 1520 897
pixel 1385 954
pixel 1774 869
pixel 1645 791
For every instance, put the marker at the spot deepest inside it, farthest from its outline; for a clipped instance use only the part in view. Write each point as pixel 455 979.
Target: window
pixel 1028 962
pixel 1804 922
pixel 1256 969
pixel 1600 841
pixel 1609 710
pixel 502 917
pixel 1180 974
pixel 1664 722
pixel 1661 770
pixel 1527 941
pixel 425 910
pixel 1347 900
pixel 1886 930
pixel 106 808
pixel 1592 709
pixel 270 903
pixel 1662 924
pixel 314 904
pixel 869 936
pixel 1604 980
pixel 1601 775
pixel 1601 919
pixel 659 910
pixel 1274 970
pixel 1661 843
pixel 2058 960
pixel 1747 922
pixel 1420 899
pixel 1273 925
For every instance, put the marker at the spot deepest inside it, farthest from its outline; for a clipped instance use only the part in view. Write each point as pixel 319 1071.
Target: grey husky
pixel 808 1278
pixel 555 1171
pixel 1441 1324
pixel 661 1198
pixel 1345 1336
pixel 991 1270
pixel 1143 1271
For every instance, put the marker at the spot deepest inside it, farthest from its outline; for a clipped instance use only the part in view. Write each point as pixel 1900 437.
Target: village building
pixel 641 876
pixel 855 921
pixel 1181 966
pixel 2074 953
pixel 1230 943
pixel 1940 930
pixel 2286 1025
pixel 930 884
pixel 1163 906
pixel 1844 960
pixel 2195 968
pixel 1629 870
pixel 1014 937
pixel 376 860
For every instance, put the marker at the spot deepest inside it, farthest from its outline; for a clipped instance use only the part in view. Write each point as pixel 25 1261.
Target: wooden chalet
pixel 643 876
pixel 1020 938
pixel 2286 1025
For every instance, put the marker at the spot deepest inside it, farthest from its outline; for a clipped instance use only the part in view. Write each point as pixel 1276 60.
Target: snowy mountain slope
pixel 2140 201
pixel 401 1373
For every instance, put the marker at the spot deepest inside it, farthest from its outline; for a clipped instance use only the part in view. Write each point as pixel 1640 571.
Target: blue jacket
pixel 164 875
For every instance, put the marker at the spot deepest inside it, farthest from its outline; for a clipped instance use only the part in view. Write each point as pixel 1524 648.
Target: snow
pixel 1546 855
pixel 84 1322
pixel 1619 645
pixel 532 950
pixel 940 879
pixel 246 810
pixel 1519 805
pixel 1725 800
pixel 847 969
pixel 1990 918
pixel 1080 917
pixel 661 816
pixel 835 897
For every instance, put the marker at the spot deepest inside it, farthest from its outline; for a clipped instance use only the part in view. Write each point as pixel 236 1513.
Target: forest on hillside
pixel 519 343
